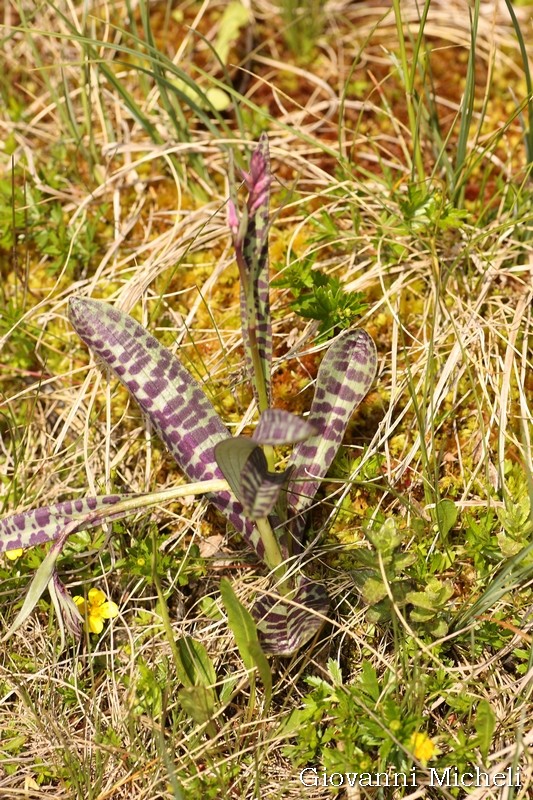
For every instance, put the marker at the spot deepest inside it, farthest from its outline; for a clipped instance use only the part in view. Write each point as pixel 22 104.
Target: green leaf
pixel 198 702
pixel 373 591
pixel 335 671
pixel 244 630
pixel 436 593
pixel 484 723
pixel 446 512
pixel 40 581
pixel 386 539
pixel 369 681
pixel 321 297
pixel 235 17
pixel 196 668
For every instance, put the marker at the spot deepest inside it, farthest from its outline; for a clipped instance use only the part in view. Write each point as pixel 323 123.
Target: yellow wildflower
pixel 422 746
pixel 14 554
pixel 96 609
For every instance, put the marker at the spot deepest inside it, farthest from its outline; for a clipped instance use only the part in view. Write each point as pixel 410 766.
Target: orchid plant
pixel 238 474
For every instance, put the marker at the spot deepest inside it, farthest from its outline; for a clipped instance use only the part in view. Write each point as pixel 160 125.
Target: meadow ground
pixel 401 137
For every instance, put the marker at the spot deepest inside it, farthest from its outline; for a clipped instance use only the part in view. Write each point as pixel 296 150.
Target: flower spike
pixel 250 237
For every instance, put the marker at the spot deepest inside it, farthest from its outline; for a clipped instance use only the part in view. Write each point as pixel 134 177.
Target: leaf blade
pixel 180 412
pixel 285 625
pixel 41 525
pixel 344 377
pixel 244 630
pixel 278 427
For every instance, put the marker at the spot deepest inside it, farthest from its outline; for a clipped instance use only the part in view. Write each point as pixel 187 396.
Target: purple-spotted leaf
pixel 284 624
pixel 42 578
pixel 251 249
pixel 176 405
pixel 344 377
pixel 277 426
pixel 243 464
pixel 41 525
pixel 57 523
pixel 260 488
pixel 166 392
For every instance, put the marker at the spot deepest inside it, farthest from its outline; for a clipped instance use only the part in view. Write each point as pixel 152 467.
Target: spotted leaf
pixel 284 624
pixel 41 525
pixel 172 399
pixel 277 426
pixel 344 377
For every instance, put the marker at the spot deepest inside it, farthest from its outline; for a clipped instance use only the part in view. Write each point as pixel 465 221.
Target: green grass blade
pixel 243 627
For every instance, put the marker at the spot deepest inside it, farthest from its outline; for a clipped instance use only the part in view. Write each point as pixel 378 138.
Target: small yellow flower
pixel 422 746
pixel 96 609
pixel 14 554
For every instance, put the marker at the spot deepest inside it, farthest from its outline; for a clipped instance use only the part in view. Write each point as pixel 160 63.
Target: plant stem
pixel 408 78
pixel 273 555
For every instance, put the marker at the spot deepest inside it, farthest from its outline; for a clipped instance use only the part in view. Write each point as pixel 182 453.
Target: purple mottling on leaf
pixel 176 405
pixel 344 377
pixel 285 625
pixel 45 524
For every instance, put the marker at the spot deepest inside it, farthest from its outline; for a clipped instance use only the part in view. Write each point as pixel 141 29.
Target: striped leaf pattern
pixel 344 377
pixel 177 407
pixel 251 249
pixel 244 466
pixel 260 488
pixel 284 625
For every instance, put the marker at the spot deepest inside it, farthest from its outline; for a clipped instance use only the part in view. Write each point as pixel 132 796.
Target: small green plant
pixel 239 473
pixel 321 297
pixel 384 579
pixel 28 218
pixel 515 517
pixel 363 727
